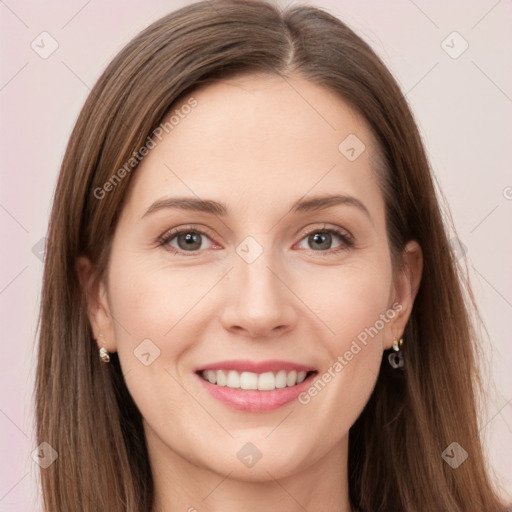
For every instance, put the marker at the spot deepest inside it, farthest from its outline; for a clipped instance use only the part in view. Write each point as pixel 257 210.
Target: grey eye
pixel 320 241
pixel 190 241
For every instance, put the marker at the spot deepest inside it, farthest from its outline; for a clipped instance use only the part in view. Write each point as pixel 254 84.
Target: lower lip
pixel 253 400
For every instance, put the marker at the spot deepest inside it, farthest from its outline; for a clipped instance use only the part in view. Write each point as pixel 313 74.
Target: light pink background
pixel 463 107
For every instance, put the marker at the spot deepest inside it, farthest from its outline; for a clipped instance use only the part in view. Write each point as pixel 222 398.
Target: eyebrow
pixel 213 207
pixel 323 202
pixel 188 203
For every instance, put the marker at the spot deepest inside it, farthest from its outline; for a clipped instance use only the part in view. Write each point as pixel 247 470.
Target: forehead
pixel 259 137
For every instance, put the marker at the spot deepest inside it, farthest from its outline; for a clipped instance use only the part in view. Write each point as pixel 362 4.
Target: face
pixel 252 253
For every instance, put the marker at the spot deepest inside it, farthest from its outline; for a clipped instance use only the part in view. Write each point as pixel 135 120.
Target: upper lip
pixel 256 366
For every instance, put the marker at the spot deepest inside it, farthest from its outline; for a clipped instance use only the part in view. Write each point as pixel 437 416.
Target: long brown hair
pixel 83 407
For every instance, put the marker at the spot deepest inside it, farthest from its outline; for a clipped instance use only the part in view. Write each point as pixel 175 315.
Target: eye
pixel 323 239
pixel 186 240
pixel 191 239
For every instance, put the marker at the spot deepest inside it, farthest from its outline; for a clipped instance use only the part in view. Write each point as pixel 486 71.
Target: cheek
pixel 349 300
pixel 159 316
pixel 157 321
pixel 354 302
pixel 151 301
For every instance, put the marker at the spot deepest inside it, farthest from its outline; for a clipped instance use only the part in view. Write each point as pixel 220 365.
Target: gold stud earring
pixel 396 358
pixel 397 344
pixel 104 355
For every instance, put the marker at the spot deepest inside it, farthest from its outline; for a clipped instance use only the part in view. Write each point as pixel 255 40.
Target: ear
pixel 406 284
pixel 98 309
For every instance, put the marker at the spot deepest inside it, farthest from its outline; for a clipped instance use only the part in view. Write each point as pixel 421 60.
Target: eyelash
pixel 348 241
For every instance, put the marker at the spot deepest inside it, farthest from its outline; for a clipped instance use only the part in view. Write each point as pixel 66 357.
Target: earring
pixel 396 358
pixel 104 355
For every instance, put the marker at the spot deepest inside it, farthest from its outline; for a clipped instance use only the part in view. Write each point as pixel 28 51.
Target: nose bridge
pixel 262 287
pixel 258 302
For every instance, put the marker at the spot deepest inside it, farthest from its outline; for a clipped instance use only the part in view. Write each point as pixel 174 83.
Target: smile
pixel 255 386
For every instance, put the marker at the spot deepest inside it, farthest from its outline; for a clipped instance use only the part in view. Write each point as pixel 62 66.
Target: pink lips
pixel 252 400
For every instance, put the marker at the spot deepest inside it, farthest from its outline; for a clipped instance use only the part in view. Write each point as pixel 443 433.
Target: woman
pixel 249 300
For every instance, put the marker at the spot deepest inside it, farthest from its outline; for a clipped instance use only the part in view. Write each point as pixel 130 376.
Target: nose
pixel 258 302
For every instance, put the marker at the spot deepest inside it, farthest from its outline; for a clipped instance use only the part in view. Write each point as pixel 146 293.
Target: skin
pixel 257 145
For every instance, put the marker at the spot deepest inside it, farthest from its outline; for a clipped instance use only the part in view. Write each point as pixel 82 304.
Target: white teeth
pixel 281 379
pixel 291 379
pixel 222 378
pixel 267 381
pixel 233 380
pixel 248 380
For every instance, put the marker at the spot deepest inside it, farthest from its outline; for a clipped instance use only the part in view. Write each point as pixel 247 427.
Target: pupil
pixel 322 239
pixel 189 241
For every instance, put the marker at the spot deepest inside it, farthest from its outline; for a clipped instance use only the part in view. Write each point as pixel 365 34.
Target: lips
pixel 255 386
